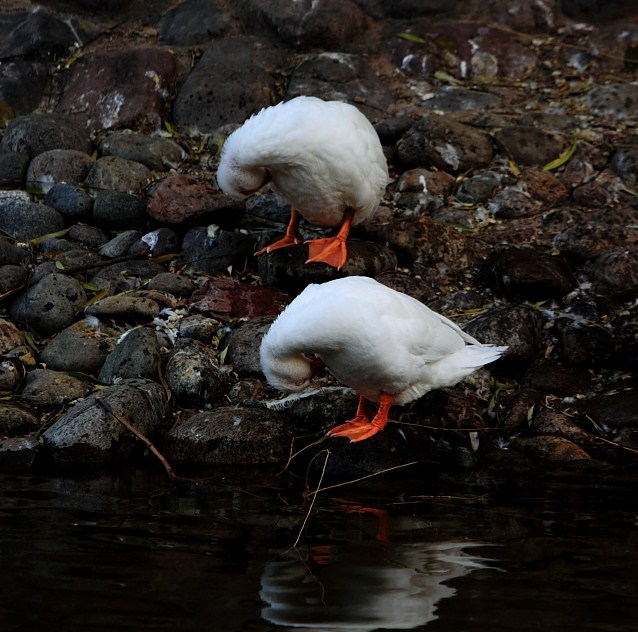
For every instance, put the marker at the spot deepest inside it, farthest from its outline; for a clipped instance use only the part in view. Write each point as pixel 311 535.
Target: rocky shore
pixel 133 307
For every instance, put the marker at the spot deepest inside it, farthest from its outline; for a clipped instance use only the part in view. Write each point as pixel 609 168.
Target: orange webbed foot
pixel 284 242
pixel 330 250
pixel 360 428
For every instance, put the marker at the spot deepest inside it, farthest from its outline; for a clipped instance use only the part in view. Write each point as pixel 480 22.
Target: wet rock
pixel 58 165
pixel 527 274
pixel 340 77
pixel 132 309
pixel 212 250
pixel 10 336
pixel 35 133
pixel 520 327
pixel 16 419
pixel 155 152
pixel 220 89
pixel 446 144
pixel 119 88
pixel 13 169
pixel 617 101
pixel 287 268
pixel 22 84
pixel 45 388
pixel 179 198
pixel 192 22
pixel 549 448
pixel 136 355
pixel 512 203
pixel 24 219
pixel 558 380
pixel 172 283
pixel 242 345
pixel 18 453
pixel 230 436
pixel 530 146
pixel 430 243
pixel 82 347
pixel 89 434
pixel 228 299
pixel 194 376
pixel 616 410
pixel 558 424
pixel 335 24
pixel 616 273
pixel 119 210
pixel 70 200
pixel 591 239
pixel 112 173
pixel 51 304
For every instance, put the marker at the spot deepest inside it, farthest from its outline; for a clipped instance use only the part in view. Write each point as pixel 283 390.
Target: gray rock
pixel 445 144
pixel 12 277
pixel 35 133
pixel 624 163
pixel 131 309
pixel 87 236
pixel 82 347
pixel 511 202
pixel 582 344
pixel 136 355
pixel 454 98
pixel 119 245
pixel 340 77
pixel 215 250
pixel 89 434
pixel 119 210
pixel 230 436
pixel 198 327
pixel 172 283
pixel 478 188
pixel 243 343
pixel 588 240
pixel 159 242
pixel 121 88
pixel 194 376
pixel 58 165
pixel 50 305
pixel 45 388
pixel 18 453
pixel 125 275
pixel 9 253
pixel 23 219
pixel 111 173
pixel 618 101
pixel 13 169
pixel 220 89
pixel 155 152
pixel 192 22
pixel 12 372
pixel 70 200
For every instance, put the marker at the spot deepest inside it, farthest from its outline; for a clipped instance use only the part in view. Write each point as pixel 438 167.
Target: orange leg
pixel 332 250
pixel 361 427
pixel 291 238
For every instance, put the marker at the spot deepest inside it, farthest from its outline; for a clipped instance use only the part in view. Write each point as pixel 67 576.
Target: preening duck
pixel 387 346
pixel 323 157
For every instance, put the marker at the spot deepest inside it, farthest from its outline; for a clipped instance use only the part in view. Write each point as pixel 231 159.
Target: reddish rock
pixel 179 198
pixel 120 88
pixel 549 448
pixel 228 299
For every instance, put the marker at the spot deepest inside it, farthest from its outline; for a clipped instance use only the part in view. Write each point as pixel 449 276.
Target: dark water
pixel 129 551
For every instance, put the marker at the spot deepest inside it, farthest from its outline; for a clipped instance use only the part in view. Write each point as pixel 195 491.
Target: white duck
pixel 323 157
pixel 387 346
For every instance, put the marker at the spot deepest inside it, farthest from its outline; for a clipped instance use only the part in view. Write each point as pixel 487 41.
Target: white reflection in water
pixel 359 587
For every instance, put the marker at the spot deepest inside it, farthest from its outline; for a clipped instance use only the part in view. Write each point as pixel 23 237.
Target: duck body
pixel 386 345
pixel 323 157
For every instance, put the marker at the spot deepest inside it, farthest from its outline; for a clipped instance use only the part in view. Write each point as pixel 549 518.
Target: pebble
pixel 58 165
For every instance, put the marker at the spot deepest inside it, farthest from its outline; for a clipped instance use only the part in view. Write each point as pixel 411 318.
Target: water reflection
pixel 365 586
